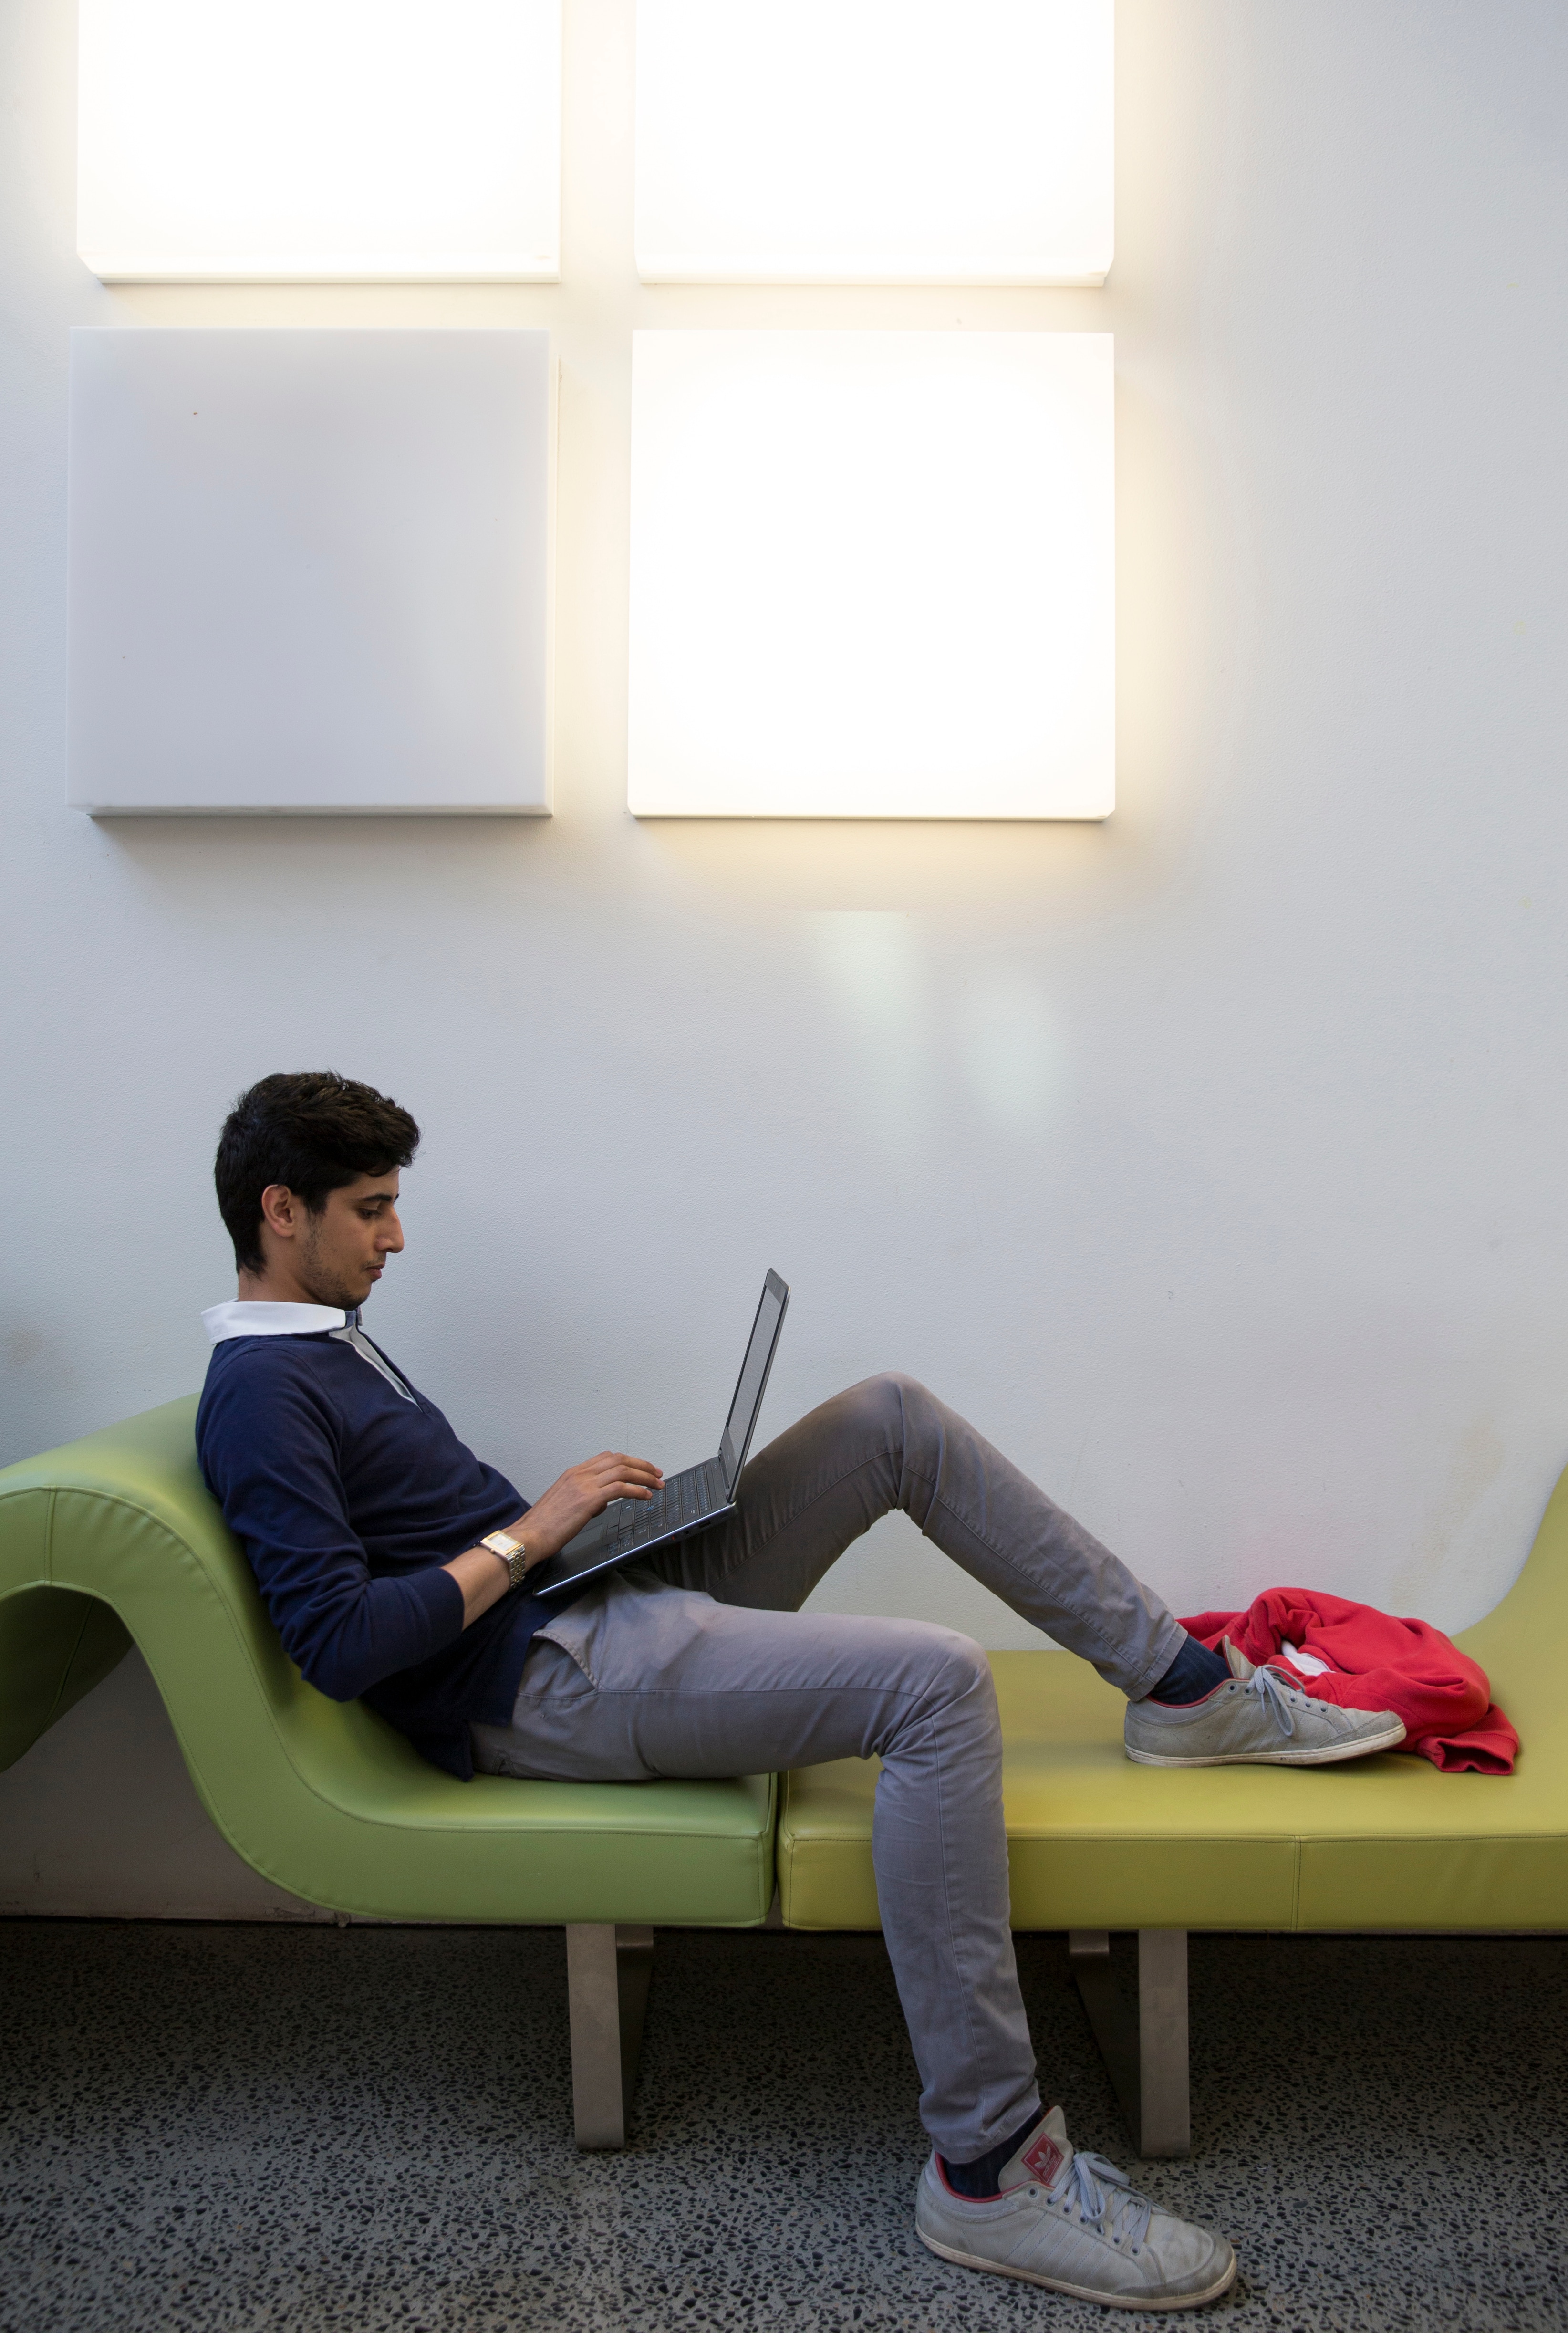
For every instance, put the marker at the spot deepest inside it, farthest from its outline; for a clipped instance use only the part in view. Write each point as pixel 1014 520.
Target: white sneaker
pixel 1259 1719
pixel 1072 2223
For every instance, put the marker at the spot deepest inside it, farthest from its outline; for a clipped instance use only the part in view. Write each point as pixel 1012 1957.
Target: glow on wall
pixel 326 139
pixel 310 571
pixel 873 575
pixel 937 141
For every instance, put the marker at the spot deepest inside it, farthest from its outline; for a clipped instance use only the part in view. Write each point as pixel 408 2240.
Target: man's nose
pixel 391 1239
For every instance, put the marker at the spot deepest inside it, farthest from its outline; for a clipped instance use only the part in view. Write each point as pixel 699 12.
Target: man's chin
pixel 341 1299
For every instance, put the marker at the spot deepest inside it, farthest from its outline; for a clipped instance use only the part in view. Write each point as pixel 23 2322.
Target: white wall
pixel 1211 1160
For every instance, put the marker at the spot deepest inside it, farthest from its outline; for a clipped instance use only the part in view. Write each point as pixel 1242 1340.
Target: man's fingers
pixel 589 1488
pixel 616 1465
pixel 629 1485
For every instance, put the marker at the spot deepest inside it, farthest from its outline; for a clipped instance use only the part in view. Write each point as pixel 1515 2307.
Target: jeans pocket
pixel 549 1680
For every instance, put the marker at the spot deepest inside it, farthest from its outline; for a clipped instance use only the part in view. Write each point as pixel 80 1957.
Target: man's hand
pixel 581 1494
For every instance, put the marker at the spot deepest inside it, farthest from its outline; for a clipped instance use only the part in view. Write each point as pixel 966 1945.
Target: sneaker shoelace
pixel 1280 1699
pixel 1097 2191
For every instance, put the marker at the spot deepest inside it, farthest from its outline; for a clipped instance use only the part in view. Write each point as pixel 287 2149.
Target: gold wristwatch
pixel 512 1552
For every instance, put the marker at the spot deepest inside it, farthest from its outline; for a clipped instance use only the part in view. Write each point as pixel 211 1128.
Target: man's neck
pixel 278 1288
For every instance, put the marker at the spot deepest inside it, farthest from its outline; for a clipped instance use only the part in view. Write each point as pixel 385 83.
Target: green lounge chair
pixel 114 1540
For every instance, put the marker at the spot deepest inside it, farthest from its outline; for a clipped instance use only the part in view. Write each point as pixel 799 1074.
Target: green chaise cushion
pixel 321 1797
pixel 1095 1841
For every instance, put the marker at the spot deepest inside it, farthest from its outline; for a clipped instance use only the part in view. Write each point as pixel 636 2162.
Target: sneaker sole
pixel 1334 1754
pixel 1084 2291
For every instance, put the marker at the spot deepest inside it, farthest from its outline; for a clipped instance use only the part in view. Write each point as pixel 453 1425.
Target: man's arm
pixel 269 1457
pixel 272 1465
pixel 574 1499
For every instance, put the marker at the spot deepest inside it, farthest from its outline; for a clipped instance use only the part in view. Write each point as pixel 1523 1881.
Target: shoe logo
pixel 1044 2160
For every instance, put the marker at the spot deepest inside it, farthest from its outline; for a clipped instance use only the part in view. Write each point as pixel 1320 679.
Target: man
pixel 366 1521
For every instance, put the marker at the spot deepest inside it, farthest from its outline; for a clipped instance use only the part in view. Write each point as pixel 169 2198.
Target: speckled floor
pixel 229 2128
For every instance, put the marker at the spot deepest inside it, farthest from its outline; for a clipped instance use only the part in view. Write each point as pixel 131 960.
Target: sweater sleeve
pixel 272 1467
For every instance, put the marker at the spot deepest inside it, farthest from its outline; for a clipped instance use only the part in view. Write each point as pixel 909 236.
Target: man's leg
pixel 638 1679
pixel 889 1442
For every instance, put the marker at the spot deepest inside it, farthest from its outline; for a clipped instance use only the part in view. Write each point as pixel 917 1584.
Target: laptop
pixel 689 1502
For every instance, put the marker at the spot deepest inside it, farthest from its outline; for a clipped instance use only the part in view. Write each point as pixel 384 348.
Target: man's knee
pixel 884 1402
pixel 954 1666
pixel 948 1702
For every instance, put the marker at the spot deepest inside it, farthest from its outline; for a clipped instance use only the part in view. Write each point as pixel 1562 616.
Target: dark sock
pixel 979 2179
pixel 1194 1672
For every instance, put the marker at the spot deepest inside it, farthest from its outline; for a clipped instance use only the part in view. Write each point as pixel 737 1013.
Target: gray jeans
pixel 699 1662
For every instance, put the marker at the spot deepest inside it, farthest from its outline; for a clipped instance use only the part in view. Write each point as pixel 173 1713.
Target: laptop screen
pixel 753 1380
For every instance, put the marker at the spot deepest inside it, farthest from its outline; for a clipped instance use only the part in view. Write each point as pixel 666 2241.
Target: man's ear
pixel 281 1212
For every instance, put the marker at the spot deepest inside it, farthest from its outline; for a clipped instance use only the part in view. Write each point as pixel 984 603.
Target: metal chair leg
pixel 607 1971
pixel 1145 2052
pixel 1162 2044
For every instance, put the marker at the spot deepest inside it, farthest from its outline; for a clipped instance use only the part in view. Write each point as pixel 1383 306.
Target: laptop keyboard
pixel 686 1498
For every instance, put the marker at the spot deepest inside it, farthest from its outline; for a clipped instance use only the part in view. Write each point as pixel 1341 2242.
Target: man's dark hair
pixel 312 1130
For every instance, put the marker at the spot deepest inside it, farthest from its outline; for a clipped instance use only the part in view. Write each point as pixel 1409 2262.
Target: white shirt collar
pixel 250 1316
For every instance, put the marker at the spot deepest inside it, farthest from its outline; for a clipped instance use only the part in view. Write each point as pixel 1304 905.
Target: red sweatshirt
pixel 1376 1662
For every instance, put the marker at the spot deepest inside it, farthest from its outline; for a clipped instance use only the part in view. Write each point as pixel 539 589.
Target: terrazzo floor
pixel 237 2128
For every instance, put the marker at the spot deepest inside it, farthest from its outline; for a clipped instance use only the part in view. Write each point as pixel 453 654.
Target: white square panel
pixel 900 141
pixel 873 575
pixel 310 571
pixel 219 140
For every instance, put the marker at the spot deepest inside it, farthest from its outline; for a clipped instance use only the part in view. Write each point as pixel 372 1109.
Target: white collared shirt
pixel 253 1316
pixel 250 1316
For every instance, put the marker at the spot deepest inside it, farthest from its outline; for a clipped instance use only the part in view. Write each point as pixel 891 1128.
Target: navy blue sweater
pixel 348 1499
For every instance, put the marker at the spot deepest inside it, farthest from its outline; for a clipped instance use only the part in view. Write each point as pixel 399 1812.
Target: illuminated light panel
pixel 310 571
pixel 872 575
pixel 866 141
pixel 331 139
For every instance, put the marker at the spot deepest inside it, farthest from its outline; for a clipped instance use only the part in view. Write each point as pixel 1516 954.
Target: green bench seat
pixel 1097 1843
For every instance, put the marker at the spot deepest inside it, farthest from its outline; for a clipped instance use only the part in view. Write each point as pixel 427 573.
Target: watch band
pixel 512 1552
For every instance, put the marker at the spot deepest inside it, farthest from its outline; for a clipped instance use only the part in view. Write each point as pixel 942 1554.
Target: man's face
pixel 342 1252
